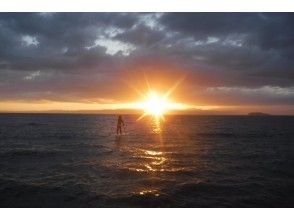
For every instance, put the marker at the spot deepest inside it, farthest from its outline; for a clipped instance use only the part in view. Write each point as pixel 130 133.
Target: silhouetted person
pixel 120 122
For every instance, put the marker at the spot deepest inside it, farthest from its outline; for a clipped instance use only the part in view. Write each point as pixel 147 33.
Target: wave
pixel 34 124
pixel 216 134
pixel 191 194
pixel 30 153
pixel 20 194
pixel 243 135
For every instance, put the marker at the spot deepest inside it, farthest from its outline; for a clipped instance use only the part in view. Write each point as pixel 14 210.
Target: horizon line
pixel 133 113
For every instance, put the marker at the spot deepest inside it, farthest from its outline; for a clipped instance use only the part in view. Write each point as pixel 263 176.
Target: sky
pixel 230 63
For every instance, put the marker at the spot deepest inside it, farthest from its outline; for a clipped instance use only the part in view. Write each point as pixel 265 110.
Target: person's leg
pixel 117 128
pixel 120 129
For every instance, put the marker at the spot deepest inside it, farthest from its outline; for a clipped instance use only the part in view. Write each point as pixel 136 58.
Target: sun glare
pixel 155 105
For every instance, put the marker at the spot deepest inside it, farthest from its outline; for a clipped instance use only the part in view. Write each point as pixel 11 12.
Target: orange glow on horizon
pixel 134 107
pixel 44 106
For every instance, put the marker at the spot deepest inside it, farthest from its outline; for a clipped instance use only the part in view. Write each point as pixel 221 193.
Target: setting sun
pixel 155 104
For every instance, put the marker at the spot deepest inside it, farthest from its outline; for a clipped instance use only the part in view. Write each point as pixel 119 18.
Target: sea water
pixel 68 160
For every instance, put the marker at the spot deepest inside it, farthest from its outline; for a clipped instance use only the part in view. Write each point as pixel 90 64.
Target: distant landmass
pixel 258 114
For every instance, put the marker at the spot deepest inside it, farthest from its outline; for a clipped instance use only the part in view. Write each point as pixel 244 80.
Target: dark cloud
pixel 77 56
pixel 265 30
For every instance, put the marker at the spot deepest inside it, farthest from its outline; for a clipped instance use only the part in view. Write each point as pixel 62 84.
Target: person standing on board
pixel 120 123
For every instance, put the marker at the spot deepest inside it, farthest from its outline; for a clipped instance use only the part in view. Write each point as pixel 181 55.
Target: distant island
pixel 258 114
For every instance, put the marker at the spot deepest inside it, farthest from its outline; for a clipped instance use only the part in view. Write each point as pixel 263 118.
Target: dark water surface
pixel 187 161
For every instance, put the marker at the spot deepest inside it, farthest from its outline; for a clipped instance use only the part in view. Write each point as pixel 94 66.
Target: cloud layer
pixel 228 58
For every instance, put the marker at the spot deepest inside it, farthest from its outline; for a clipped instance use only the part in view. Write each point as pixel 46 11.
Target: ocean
pixel 72 160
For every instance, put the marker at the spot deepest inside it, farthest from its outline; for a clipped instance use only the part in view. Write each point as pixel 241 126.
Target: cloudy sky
pixel 234 61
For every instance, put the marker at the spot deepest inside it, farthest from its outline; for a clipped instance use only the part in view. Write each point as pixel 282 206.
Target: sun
pixel 155 105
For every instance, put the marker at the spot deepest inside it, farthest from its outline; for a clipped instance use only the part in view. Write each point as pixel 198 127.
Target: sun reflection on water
pixel 149 192
pixel 153 153
pixel 156 125
pixel 152 157
pixel 150 161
